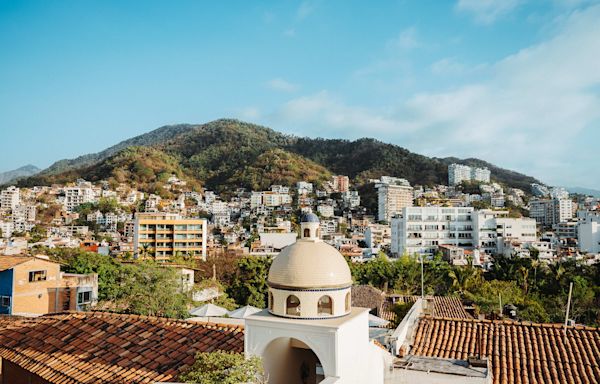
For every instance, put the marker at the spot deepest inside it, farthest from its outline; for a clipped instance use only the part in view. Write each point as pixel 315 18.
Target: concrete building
pixel 549 212
pixel 377 235
pixel 9 198
pixel 457 173
pixel 31 286
pixel 393 194
pixel 162 235
pixel 340 183
pixel 75 196
pixel 589 233
pixel 493 227
pixel 304 187
pixel 422 229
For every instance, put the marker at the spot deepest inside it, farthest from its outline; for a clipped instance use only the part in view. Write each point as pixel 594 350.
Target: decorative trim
pixel 296 289
pixel 308 318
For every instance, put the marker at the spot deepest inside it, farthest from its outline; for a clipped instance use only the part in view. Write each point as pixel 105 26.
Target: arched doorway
pixel 290 361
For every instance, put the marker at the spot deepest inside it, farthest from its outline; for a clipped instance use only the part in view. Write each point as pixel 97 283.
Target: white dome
pixel 309 264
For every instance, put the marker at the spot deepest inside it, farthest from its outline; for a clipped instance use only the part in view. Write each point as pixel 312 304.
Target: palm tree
pixel 464 279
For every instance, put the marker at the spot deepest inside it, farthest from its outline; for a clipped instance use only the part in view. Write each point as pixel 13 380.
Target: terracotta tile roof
pixel 366 296
pixel 8 262
pixel 97 347
pixel 520 353
pixel 443 306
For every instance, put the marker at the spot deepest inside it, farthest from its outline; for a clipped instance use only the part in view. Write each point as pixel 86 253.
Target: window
pixel 292 306
pixel 84 297
pixel 37 276
pixel 270 301
pixel 348 301
pixel 4 301
pixel 306 232
pixel 325 306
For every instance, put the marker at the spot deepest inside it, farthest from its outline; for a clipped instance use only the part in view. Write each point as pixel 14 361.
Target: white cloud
pixel 487 11
pixel 529 114
pixel 407 39
pixel 282 85
pixel 305 9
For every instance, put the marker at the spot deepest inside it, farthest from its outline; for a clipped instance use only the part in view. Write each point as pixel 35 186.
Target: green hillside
pixel 227 154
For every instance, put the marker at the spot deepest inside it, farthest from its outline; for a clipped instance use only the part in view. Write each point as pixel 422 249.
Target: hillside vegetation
pixel 227 154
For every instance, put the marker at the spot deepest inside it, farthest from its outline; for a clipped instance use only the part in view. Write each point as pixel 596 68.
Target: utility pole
pixel 422 280
pixel 500 301
pixel 568 308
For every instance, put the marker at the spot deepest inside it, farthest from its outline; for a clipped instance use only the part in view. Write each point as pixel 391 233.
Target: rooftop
pixel 92 347
pixel 518 352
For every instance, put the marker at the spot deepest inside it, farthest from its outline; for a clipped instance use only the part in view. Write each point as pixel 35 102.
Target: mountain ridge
pixel 24 171
pixel 225 154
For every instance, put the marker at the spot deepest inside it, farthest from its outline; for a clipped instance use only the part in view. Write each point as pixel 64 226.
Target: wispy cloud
pixel 487 11
pixel 282 85
pixel 530 113
pixel 407 39
pixel 305 9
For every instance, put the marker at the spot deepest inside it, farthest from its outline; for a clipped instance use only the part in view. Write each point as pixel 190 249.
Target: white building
pixel 589 233
pixel 75 196
pixel 325 210
pixel 393 194
pixel 310 330
pixel 457 173
pixel 421 229
pixel 549 212
pixel 270 198
pixel 304 187
pixel 10 198
pixel 377 235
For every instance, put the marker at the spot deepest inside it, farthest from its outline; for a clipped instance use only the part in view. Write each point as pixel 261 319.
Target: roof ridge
pixel 511 322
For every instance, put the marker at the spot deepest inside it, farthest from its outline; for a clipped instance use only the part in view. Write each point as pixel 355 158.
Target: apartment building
pixel 162 235
pixel 31 286
pixel 549 212
pixel 9 198
pixel 393 194
pixel 75 196
pixel 422 229
pixel 492 228
pixel 304 187
pixel 588 233
pixel 340 183
pixel 269 199
pixel 457 173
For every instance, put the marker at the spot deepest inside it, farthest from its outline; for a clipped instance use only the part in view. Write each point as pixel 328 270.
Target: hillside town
pixel 470 219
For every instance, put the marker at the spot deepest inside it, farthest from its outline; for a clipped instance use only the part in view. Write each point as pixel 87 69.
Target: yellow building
pixel 162 235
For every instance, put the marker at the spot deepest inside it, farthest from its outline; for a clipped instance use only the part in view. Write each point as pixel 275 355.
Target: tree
pixel 249 286
pixel 464 279
pixel 221 367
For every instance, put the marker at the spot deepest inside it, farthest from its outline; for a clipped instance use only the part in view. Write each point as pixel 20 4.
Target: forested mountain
pixel 228 154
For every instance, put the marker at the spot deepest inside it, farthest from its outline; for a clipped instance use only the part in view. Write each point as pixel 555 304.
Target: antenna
pixel 422 280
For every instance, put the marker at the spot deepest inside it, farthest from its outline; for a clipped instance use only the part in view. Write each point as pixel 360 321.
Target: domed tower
pixel 309 279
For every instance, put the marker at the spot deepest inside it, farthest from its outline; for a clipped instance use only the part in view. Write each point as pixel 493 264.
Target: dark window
pixel 84 297
pixel 5 301
pixel 306 232
pixel 37 276
pixel 325 306
pixel 347 301
pixel 292 306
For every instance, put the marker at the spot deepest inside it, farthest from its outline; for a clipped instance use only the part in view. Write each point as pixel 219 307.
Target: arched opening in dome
pixel 348 302
pixel 306 232
pixel 291 361
pixel 325 306
pixel 292 306
pixel 270 301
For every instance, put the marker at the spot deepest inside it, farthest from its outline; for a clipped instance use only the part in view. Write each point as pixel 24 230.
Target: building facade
pixel 393 194
pixel 457 173
pixel 163 235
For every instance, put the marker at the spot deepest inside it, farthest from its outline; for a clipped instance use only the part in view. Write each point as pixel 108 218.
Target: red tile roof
pixel 442 306
pixel 9 262
pixel 519 352
pixel 97 347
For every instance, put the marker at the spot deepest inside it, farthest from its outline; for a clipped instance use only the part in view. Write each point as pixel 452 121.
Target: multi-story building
pixel 273 198
pixel 31 286
pixel 340 183
pixel 304 187
pixel 75 196
pixel 393 194
pixel 377 235
pixel 492 228
pixel 351 199
pixel 162 235
pixel 9 198
pixel 457 173
pixel 539 190
pixel 422 229
pixel 325 210
pixel 566 229
pixel 589 233
pixel 549 212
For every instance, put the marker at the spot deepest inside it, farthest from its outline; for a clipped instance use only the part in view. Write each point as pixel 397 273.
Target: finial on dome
pixel 309 226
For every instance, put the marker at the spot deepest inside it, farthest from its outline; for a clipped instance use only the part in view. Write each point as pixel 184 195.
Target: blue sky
pixel 514 82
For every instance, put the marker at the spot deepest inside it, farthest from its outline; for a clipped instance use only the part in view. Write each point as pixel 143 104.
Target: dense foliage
pixel 227 154
pixel 538 290
pixel 224 368
pixel 143 288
